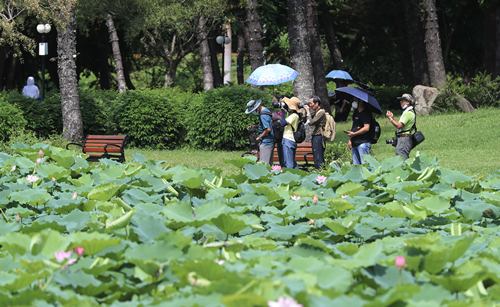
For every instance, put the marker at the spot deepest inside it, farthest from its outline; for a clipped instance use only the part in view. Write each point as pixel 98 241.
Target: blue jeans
pixel 289 149
pixel 359 151
pixel 318 150
pixel 279 147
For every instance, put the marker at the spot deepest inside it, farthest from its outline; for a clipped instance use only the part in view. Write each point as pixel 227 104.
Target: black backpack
pixel 300 134
pixel 374 131
pixel 277 131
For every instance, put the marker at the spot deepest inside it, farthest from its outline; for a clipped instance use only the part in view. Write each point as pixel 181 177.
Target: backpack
pixel 374 131
pixel 299 135
pixel 330 129
pixel 277 130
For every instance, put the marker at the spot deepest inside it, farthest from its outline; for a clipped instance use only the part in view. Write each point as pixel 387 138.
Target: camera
pixel 393 142
pixel 252 130
pixel 279 105
pixel 303 104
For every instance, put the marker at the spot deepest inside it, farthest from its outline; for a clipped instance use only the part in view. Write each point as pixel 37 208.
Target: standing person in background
pixel 30 89
pixel 265 130
pixel 291 124
pixel 343 107
pixel 319 123
pixel 279 142
pixel 359 138
pixel 404 125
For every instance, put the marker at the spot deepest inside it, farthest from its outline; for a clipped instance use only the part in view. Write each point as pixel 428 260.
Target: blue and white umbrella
pixel 272 74
pixel 339 75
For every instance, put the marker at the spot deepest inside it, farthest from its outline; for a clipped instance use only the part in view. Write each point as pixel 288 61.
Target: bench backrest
pixel 302 149
pixel 96 143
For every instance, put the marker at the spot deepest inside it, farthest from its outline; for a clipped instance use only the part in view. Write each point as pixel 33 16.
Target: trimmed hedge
pixel 11 118
pixel 216 120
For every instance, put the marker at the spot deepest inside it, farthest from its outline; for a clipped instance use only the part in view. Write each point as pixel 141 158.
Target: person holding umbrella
pixel 359 138
pixel 404 126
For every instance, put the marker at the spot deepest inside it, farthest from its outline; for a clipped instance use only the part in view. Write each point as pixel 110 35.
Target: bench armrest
pixel 305 158
pixel 78 144
pixel 105 147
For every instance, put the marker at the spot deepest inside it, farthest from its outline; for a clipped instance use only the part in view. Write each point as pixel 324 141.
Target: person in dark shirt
pixel 359 138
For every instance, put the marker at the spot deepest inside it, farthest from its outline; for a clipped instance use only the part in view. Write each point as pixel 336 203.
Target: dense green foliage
pixel 11 118
pixel 142 234
pixel 217 119
pixel 151 118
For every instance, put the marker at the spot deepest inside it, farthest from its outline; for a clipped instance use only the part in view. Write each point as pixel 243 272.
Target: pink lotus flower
pixel 78 251
pixel 311 222
pixel 295 197
pixel 40 153
pixel 320 179
pixel 284 302
pixel 60 256
pixel 400 262
pixel 13 168
pixel 344 196
pixel 53 179
pixel 38 160
pixel 221 262
pixel 315 198
pixel 75 195
pixel 275 168
pixel 32 178
pixel 17 218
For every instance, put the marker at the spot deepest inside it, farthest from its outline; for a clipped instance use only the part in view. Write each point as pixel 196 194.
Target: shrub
pixel 386 95
pixel 484 92
pixel 337 151
pixel 11 118
pixel 217 120
pixel 96 111
pixel 151 118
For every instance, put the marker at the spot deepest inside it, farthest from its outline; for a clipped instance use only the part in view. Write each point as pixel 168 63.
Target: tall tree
pixel 331 41
pixel 240 51
pixel 416 36
pixel 303 86
pixel 317 55
pixel 437 72
pixel 171 28
pixel 253 35
pixel 206 65
pixel 117 56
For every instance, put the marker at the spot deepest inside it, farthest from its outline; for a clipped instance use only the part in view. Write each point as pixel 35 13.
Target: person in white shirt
pixel 30 89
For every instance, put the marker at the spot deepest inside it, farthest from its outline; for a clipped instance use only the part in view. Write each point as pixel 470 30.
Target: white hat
pixel 252 105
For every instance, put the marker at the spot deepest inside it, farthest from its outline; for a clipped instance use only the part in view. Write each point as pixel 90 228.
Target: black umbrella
pixel 358 93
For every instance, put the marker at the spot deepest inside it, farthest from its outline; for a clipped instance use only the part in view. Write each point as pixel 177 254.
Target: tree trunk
pixel 103 58
pixel 66 65
pixel 3 53
pixel 416 37
pixel 126 63
pixel 316 55
pixel 212 45
pixel 437 72
pixel 206 65
pixel 489 40
pixel 497 40
pixel 240 52
pixel 12 73
pixel 331 41
pixel 120 75
pixel 172 71
pixel 253 36
pixel 303 86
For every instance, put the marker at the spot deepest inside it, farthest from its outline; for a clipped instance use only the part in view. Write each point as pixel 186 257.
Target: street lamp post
pixel 43 50
pixel 224 39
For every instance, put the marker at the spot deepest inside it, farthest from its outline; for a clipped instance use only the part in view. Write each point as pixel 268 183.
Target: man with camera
pixel 403 140
pixel 265 130
pixel 319 123
pixel 359 137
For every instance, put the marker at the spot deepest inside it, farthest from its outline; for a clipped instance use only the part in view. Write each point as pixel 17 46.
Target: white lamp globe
pixel 227 40
pixel 219 40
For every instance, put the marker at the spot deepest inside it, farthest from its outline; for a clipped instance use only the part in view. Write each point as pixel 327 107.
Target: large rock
pixel 424 98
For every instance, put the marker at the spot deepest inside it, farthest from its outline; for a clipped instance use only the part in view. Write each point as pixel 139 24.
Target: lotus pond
pixel 142 234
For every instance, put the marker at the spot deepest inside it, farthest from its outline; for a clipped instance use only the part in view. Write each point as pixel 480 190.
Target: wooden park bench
pixel 103 147
pixel 301 155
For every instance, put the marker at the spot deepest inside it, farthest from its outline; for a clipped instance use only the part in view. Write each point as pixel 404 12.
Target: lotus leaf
pixel 64 158
pixel 473 210
pixel 394 162
pixel 340 205
pixel 231 224
pixel 385 277
pixel 463 279
pixel 15 243
pixel 15 282
pixel 278 232
pixel 250 200
pixel 93 242
pixel 46 170
pixel 139 158
pixel 21 211
pixel 149 227
pixel 75 279
pixel 344 226
pixel 257 171
pixel 224 192
pixel 316 212
pixel 104 191
pixel 33 197
pixel 491 198
pixel 241 162
pixel 460 180
pixel 409 186
pixel 434 204
pixel 354 174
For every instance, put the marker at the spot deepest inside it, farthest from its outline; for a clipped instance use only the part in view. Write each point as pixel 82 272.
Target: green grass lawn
pixel 463 142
